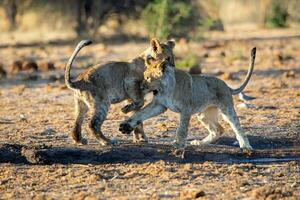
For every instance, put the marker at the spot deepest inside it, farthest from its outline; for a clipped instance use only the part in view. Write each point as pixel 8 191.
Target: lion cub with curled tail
pixel 102 85
pixel 189 94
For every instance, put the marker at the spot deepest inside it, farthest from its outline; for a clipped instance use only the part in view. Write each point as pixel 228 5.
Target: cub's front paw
pixel 125 128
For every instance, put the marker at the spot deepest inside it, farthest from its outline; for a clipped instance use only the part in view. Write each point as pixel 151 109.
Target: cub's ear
pixel 155 45
pixel 171 43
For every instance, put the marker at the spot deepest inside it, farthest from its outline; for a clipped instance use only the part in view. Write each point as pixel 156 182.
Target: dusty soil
pixel 37 159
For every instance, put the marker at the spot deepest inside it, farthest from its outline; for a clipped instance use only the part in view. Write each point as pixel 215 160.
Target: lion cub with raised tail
pixel 189 94
pixel 102 85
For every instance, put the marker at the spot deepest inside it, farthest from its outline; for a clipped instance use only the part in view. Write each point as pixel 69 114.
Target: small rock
pixel 290 74
pixel 223 54
pixel 46 66
pixel 227 76
pixel 2 71
pixel 244 183
pixel 211 45
pixel 294 185
pixel 279 174
pixel 15 67
pixel 23 118
pixel 268 107
pixel 217 72
pixel 192 194
pixel 245 105
pixel 63 87
pixel 199 194
pixel 48 131
pixel 205 55
pixel 282 57
pixel 29 66
pixel 2 182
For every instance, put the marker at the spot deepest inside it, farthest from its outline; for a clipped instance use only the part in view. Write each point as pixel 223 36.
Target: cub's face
pixel 157 56
pixel 153 75
pixel 160 52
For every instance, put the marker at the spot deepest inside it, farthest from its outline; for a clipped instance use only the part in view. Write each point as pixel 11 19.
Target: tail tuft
pixel 86 42
pixel 253 52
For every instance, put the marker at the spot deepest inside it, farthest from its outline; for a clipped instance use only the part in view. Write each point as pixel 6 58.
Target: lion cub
pixel 102 85
pixel 189 94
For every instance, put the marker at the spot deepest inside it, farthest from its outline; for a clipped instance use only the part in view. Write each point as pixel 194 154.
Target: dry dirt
pixel 37 159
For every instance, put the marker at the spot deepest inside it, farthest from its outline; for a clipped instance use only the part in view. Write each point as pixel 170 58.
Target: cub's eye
pixel 149 57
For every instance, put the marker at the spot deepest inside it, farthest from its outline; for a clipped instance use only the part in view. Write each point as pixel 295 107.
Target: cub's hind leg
pixel 230 116
pixel 209 119
pixel 99 113
pixel 80 112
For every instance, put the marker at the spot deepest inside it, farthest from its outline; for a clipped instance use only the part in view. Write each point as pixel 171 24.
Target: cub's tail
pixel 249 74
pixel 79 46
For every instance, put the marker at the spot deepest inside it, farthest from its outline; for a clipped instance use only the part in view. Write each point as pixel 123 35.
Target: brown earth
pixel 37 159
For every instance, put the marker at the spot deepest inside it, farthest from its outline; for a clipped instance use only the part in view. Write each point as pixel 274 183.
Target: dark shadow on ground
pixel 11 153
pixel 267 151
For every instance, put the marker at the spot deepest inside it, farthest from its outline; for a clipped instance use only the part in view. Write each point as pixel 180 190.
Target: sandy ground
pixel 37 159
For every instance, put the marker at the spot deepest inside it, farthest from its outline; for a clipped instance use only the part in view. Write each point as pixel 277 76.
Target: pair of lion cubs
pixel 153 71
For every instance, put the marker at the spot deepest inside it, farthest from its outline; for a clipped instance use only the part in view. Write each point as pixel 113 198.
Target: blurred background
pixel 207 32
pixel 139 19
